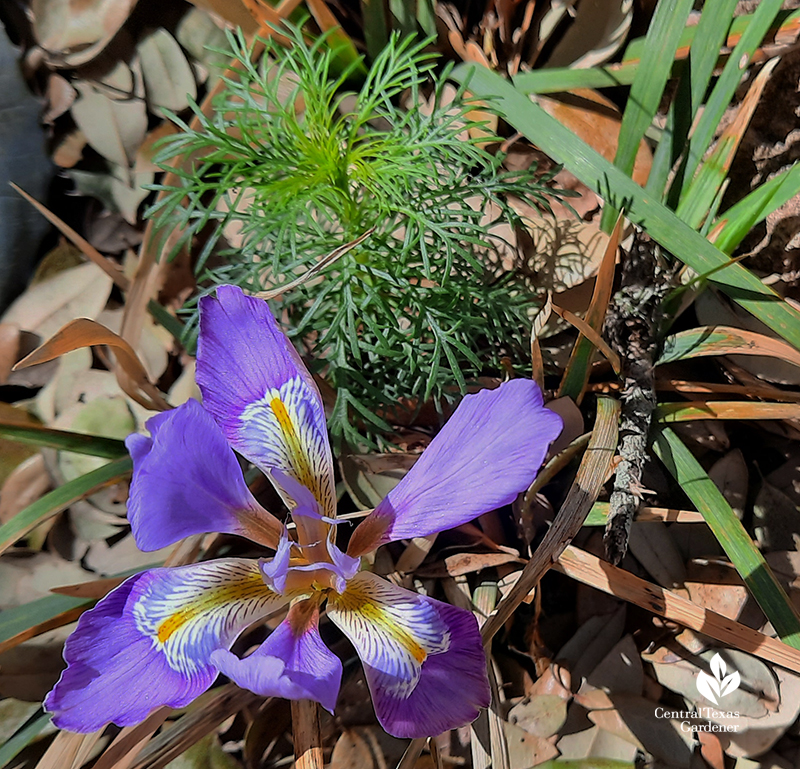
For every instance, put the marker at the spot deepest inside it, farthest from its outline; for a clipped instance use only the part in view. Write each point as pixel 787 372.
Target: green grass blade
pixel 23 737
pixel 61 609
pixel 376 29
pixel 633 53
pixel 710 35
pixel 565 79
pixel 663 36
pixel 740 218
pixel 641 208
pixel 63 440
pixel 723 92
pixel 61 498
pixel 731 535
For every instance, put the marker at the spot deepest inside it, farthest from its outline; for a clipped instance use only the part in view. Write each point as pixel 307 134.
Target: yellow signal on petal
pixel 354 601
pixel 250 586
pixel 298 453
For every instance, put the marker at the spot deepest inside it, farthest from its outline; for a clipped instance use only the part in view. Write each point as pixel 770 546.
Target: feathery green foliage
pixel 424 304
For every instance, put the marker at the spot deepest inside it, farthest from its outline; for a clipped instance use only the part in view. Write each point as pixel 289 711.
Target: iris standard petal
pixel 423 659
pixel 488 452
pixel 261 395
pixel 187 480
pixel 293 662
pixel 149 642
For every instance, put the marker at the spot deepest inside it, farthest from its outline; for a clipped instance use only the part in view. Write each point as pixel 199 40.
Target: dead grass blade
pixel 96 589
pixel 591 336
pixel 68 750
pixel 592 571
pixel 83 332
pixel 323 263
pixel 592 474
pixel 539 322
pixel 104 263
pixel 202 719
pixel 578 368
pixel 752 390
pixel 129 742
pixel 412 754
pixel 599 514
pixel 725 340
pixel 51 623
pixel 686 412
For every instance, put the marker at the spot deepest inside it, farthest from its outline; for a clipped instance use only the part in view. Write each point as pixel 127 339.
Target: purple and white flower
pixel 164 635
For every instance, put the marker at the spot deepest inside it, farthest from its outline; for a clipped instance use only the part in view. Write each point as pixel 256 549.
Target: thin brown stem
pixel 307 738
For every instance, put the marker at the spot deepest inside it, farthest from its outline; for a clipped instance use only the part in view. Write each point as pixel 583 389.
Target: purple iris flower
pixel 164 635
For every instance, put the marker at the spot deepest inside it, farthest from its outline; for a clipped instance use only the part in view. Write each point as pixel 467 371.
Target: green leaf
pixel 711 35
pixel 43 611
pixel 61 498
pixel 730 533
pixel 23 737
pixel 740 218
pixel 647 89
pixel 64 440
pixel 641 208
pixel 723 93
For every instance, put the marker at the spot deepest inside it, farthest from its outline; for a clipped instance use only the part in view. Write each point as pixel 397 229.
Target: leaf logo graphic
pixel 717 686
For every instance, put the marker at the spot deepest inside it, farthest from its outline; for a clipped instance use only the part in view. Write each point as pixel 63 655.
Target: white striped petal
pixel 191 611
pixel 280 431
pixel 393 630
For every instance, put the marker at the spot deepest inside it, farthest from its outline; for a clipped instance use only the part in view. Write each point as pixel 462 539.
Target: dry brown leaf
pixel 601 575
pixel 75 33
pixel 26 483
pixel 597 121
pixel 46 306
pixel 83 332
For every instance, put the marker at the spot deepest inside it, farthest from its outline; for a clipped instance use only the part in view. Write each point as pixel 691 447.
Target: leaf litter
pixel 581 675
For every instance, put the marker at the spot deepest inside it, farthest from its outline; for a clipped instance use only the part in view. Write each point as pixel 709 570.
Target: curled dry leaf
pixel 86 333
pixel 24 485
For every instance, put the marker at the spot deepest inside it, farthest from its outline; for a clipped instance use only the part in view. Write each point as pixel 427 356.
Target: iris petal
pixel 187 480
pixel 149 642
pixel 261 395
pixel 293 662
pixel 423 659
pixel 488 452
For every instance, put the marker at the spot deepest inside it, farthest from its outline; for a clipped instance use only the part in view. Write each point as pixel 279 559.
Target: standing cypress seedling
pixel 425 301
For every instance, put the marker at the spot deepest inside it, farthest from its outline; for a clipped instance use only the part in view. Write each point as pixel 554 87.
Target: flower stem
pixel 307 739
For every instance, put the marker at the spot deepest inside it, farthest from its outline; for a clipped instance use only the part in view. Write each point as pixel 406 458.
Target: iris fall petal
pixel 261 395
pixel 423 659
pixel 149 642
